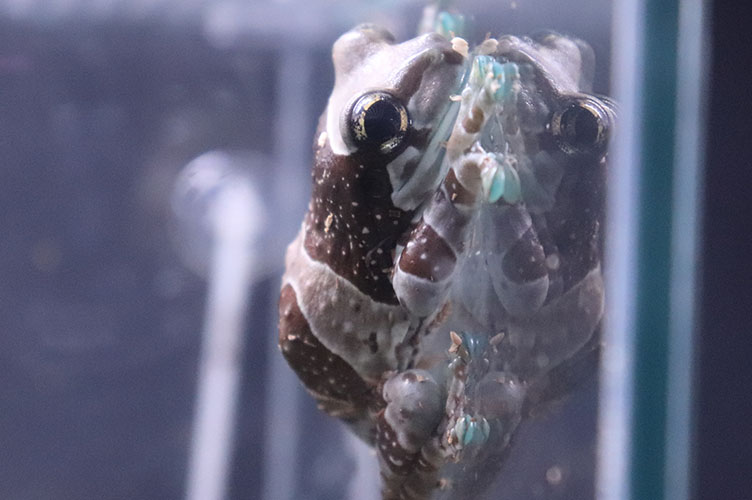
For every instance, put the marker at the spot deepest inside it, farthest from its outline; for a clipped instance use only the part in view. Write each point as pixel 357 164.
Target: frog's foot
pixel 481 438
pixel 404 431
pixel 484 405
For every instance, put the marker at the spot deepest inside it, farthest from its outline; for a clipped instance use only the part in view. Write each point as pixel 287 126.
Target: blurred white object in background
pixel 218 207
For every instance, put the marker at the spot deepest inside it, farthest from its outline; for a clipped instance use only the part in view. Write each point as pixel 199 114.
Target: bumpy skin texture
pixel 401 243
pixel 337 289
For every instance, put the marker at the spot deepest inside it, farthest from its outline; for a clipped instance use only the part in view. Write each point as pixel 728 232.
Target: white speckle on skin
pixel 355 203
pixel 322 139
pixel 365 230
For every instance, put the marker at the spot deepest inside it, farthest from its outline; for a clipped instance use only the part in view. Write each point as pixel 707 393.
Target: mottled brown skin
pixel 575 224
pixel 525 261
pixel 433 260
pixel 352 225
pixel 334 383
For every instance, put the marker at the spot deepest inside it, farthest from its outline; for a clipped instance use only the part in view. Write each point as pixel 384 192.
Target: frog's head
pixel 390 107
pixel 558 131
pixel 558 128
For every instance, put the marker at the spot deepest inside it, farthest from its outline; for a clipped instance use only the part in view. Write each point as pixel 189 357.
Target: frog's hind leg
pixel 335 385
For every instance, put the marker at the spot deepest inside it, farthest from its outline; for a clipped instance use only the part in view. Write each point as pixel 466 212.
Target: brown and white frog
pixel 430 212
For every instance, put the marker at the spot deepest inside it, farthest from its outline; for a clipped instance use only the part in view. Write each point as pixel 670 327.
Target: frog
pixel 452 192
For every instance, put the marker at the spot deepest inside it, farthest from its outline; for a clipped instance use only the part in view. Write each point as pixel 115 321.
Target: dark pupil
pixel 580 127
pixel 382 122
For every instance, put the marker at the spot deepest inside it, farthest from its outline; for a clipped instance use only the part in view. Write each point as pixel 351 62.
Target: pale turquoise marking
pixel 474 343
pixel 505 74
pixel 472 431
pixel 503 183
pixel 512 191
pixel 497 186
pixel 450 25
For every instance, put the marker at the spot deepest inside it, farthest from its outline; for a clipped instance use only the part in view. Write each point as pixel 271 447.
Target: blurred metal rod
pixel 220 364
pixel 293 139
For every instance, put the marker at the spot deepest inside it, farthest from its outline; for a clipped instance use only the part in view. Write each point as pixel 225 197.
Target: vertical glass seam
pixel 692 57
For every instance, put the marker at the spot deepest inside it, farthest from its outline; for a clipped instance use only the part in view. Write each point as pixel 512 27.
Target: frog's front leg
pixel 425 267
pixel 516 260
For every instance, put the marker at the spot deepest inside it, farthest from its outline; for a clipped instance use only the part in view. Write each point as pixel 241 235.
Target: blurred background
pixel 123 127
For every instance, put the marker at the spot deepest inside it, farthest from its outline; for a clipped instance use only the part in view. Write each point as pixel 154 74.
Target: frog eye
pixel 376 122
pixel 582 126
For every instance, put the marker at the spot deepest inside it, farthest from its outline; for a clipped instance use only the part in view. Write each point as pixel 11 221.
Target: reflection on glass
pixel 446 283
